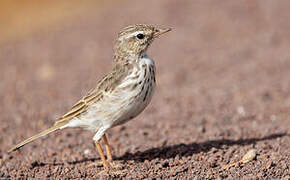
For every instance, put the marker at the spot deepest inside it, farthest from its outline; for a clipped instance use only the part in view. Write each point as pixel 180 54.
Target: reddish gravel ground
pixel 223 89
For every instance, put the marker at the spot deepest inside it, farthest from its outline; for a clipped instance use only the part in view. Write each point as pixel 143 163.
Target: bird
pixel 119 96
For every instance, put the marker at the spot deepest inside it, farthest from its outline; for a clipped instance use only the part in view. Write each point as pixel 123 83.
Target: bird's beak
pixel 161 31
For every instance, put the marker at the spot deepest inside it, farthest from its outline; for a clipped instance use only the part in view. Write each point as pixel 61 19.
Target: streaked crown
pixel 134 40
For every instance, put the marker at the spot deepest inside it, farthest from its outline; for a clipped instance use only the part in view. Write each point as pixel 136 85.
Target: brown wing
pixel 81 106
pixel 105 85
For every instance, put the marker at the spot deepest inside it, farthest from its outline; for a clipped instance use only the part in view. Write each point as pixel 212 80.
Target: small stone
pixel 214 150
pixel 241 110
pixel 87 151
pixel 260 174
pixel 36 164
pixel 212 162
pixel 269 164
pixel 201 129
pixel 159 166
pixel 171 162
pixel 165 164
pixel 250 155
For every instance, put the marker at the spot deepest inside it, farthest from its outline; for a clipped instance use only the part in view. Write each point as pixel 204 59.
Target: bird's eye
pixel 140 36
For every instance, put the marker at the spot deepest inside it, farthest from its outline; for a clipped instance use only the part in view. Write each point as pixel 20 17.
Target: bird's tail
pixel 32 138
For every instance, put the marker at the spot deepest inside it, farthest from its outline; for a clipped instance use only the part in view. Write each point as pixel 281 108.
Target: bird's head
pixel 134 40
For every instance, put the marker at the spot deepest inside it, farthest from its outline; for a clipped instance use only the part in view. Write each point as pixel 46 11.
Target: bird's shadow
pixel 183 150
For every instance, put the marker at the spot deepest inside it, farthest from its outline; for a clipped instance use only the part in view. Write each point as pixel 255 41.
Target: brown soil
pixel 223 89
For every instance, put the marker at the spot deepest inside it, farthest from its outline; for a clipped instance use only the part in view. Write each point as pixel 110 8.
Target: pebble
pixel 250 155
pixel 87 151
pixel 269 164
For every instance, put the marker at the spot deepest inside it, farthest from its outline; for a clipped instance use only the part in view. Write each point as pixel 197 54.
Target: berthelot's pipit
pixel 118 97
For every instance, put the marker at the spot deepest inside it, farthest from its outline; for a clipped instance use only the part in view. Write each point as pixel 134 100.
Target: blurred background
pixel 223 72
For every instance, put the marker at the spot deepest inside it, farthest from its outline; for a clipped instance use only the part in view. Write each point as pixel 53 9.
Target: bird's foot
pixel 117 169
pixel 95 164
pixel 113 172
pixel 116 166
pixel 118 173
pixel 114 169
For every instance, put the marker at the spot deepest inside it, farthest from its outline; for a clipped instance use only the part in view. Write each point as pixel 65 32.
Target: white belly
pixel 128 99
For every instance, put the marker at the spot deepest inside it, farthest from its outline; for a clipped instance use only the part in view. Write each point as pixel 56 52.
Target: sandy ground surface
pixel 223 89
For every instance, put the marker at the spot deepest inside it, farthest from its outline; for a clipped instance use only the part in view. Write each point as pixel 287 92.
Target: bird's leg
pixel 109 154
pixel 105 163
pixel 108 149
